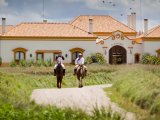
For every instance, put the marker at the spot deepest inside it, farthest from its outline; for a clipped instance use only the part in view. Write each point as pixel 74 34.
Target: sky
pixel 17 11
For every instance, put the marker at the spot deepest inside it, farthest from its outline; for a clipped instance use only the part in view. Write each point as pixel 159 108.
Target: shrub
pixel 96 58
pixel 88 60
pixel 13 64
pixel 48 63
pixel 39 63
pixel 0 61
pixel 150 59
pixel 100 58
pixel 23 63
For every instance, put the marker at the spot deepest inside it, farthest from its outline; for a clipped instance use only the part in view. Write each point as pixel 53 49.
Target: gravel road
pixel 86 98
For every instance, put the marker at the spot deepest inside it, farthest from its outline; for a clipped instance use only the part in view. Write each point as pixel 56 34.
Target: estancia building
pixel 85 34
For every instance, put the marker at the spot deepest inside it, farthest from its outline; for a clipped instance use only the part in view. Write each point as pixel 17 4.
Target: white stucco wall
pixel 151 47
pixel 32 46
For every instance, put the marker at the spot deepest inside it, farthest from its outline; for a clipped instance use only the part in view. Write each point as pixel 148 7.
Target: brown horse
pixel 59 74
pixel 80 75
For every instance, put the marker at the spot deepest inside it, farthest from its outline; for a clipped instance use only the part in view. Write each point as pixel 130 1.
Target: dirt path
pixel 86 98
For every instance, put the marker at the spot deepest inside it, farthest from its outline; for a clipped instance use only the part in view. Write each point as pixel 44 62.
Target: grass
pixel 17 84
pixel 137 89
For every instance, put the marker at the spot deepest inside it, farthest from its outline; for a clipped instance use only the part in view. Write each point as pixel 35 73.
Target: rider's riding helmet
pixel 80 54
pixel 60 54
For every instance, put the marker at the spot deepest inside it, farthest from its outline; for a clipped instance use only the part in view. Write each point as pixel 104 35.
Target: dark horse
pixel 80 75
pixel 59 74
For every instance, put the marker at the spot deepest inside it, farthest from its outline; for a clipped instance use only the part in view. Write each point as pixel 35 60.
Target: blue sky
pixel 17 11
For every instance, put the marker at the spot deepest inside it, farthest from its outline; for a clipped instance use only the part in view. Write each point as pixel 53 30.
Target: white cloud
pixel 28 16
pixel 3 3
pixel 150 10
pixel 24 17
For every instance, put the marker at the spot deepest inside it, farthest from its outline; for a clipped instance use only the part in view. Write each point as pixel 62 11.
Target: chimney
pixel 3 25
pixel 129 20
pixel 133 21
pixel 90 29
pixel 145 25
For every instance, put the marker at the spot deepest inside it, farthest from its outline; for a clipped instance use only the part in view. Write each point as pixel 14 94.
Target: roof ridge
pixel 80 29
pixel 87 16
pixel 151 31
pixel 70 22
pixel 122 23
pixel 8 25
pixel 43 23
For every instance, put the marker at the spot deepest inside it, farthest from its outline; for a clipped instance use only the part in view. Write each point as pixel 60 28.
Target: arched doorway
pixel 75 52
pixel 117 55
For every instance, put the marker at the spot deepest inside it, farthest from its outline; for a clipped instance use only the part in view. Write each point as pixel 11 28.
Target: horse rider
pixel 59 59
pixel 79 61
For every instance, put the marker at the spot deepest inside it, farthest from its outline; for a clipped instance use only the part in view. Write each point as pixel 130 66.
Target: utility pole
pixel 43 11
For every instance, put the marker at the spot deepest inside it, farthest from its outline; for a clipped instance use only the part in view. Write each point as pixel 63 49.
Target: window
pixel 19 54
pixel 75 52
pixel 137 58
pixel 40 56
pixel 75 55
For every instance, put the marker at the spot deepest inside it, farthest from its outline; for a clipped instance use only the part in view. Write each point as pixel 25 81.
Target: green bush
pixel 48 63
pixel 88 60
pixel 23 63
pixel 150 59
pixel 95 58
pixel 0 61
pixel 13 64
pixel 39 63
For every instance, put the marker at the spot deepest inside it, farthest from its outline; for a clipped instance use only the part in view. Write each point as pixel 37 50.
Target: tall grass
pixel 17 84
pixel 140 85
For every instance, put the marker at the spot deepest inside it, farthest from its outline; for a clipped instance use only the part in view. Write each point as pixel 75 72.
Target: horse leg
pixel 79 81
pixel 57 82
pixel 60 82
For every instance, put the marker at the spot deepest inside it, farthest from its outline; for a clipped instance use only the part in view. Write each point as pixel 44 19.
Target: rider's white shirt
pixel 59 60
pixel 79 61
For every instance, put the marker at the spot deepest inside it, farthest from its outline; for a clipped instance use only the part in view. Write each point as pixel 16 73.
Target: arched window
pixel 19 54
pixel 137 58
pixel 75 52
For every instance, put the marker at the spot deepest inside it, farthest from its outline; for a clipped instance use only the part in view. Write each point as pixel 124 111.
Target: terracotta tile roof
pixel 101 23
pixel 47 30
pixel 154 32
pixel 8 28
